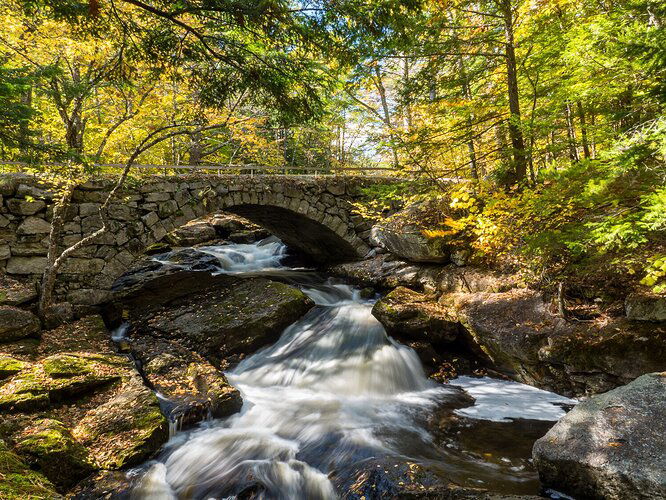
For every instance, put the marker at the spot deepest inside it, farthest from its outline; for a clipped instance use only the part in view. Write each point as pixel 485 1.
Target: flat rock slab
pixel 225 321
pixel 612 446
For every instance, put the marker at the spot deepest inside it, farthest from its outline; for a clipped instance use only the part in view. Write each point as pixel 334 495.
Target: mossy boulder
pixel 19 482
pixel 225 321
pixel 49 445
pixel 410 315
pixel 126 430
pixel 10 366
pixel 16 324
pixel 66 365
pixel 23 393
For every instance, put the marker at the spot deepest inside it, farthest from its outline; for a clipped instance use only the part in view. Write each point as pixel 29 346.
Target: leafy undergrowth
pixel 597 226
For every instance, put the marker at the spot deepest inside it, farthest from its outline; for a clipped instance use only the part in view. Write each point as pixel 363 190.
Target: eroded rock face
pixel 16 324
pixel 610 446
pixel 193 386
pixel 407 314
pixel 225 321
pixel 520 334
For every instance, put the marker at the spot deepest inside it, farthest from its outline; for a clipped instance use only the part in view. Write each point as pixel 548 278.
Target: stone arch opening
pixel 313 238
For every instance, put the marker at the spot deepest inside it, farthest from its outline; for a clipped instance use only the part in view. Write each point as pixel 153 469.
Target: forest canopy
pixel 550 113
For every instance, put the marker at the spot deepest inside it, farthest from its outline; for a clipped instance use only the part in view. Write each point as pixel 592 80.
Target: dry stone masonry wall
pixel 313 214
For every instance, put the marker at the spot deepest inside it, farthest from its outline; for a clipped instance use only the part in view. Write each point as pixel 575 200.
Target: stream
pixel 335 393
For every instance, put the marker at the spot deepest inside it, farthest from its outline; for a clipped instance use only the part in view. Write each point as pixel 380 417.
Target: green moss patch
pixel 19 482
pixel 10 366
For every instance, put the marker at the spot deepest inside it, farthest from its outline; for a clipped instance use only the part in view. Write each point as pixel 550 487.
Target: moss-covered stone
pixel 10 366
pixel 49 445
pixel 19 482
pixel 125 430
pixel 23 393
pixel 66 365
pixel 225 321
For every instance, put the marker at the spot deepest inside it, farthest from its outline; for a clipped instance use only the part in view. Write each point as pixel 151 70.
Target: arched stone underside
pixel 310 236
pixel 314 215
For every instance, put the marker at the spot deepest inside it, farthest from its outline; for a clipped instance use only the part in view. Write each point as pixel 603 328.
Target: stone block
pixel 167 208
pixel 157 196
pixel 24 207
pixel 90 297
pixel 34 225
pixel 5 252
pixel 88 209
pixel 150 219
pixel 26 265
pixel 82 266
pixel 28 248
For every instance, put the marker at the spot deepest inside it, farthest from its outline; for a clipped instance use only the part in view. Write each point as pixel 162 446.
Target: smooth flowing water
pixel 332 392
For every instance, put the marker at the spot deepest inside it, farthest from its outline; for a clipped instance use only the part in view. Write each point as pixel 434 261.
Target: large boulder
pixel 126 430
pixel 404 234
pixel 194 388
pixel 611 446
pixel 521 336
pixel 224 321
pixel 410 315
pixel 16 324
pixel 646 307
pixel 19 482
pixel 194 233
pixel 49 445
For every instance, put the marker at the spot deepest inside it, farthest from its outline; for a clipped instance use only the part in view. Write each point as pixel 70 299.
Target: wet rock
pixel 125 430
pixel 19 481
pixel 520 335
pixel 407 314
pixel 193 387
pixel 106 485
pixel 611 445
pixel 396 479
pixel 16 324
pixel 194 233
pixel 646 307
pixel 49 446
pixel 249 236
pixel 227 320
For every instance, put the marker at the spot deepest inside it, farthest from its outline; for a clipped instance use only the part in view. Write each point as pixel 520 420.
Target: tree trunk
pixel 583 130
pixel 408 102
pixel 49 276
pixel 515 129
pixel 571 134
pixel 387 114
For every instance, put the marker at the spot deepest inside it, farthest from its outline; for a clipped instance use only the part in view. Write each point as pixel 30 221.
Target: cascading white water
pixel 332 392
pixel 243 258
pixel 318 398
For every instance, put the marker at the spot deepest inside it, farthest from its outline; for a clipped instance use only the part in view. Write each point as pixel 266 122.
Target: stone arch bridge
pixel 313 214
